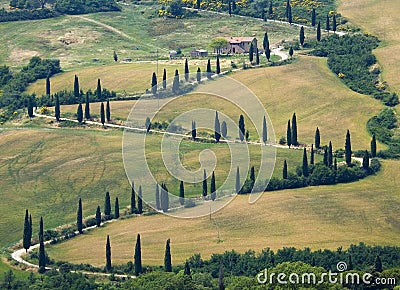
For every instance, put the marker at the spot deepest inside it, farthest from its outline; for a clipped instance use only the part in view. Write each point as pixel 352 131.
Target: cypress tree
pixel 213 188
pixel 186 270
pixel 87 107
pixel 264 133
pixel 334 23
pixel 79 113
pixel 198 75
pixel 167 257
pixel 98 216
pixel 221 281
pixel 317 139
pixel 305 163
pixel 365 163
pixel 107 204
pixel 194 130
pixel 373 146
pixel 198 2
pixel 290 19
pixel 102 117
pixel 330 154
pixel 268 53
pixel 76 88
pixel 285 170
pixel 108 111
pixel 158 205
pixel 294 130
pixel 265 41
pixel 313 17
pixel 147 124
pixel 98 90
pixel 229 8
pixel 181 193
pixel 30 107
pixel 350 264
pixel 347 148
pixel 164 198
pixel 302 36
pixel 79 222
pixel 312 155
pixel 247 135
pixel 133 198
pixel 204 183
pixel 154 84
pixel 319 31
pixel 241 127
pixel 116 210
pixel 224 129
pixel 291 52
pixel 138 257
pixel 27 229
pixel 252 177
pixel 42 254
pixel 233 6
pixel 175 84
pixel 378 264
pixel 108 254
pixel 288 134
pixel 115 56
pixel 251 52
pixel 257 57
pixel 209 69
pixel 237 185
pixel 186 70
pixel 218 69
pixel 326 163
pixel 140 201
pixel 164 79
pixel 57 109
pixel 217 128
pixel 30 227
pixel 47 86
pixel 327 25
pixel 270 10
pixel 335 164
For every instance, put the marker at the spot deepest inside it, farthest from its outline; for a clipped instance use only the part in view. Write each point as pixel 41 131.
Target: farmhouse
pixel 199 53
pixel 239 44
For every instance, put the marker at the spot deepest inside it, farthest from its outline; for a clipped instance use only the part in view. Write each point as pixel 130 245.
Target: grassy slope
pixel 380 18
pixel 319 217
pixel 330 105
pixel 93 45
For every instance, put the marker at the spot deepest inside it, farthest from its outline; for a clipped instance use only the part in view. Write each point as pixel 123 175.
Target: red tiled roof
pixel 235 40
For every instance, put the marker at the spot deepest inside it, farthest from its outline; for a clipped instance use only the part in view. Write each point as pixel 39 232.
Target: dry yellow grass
pixel 380 18
pixel 316 217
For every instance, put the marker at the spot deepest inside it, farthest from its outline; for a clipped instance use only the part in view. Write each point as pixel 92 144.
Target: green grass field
pixel 133 33
pixel 382 21
pixel 316 217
